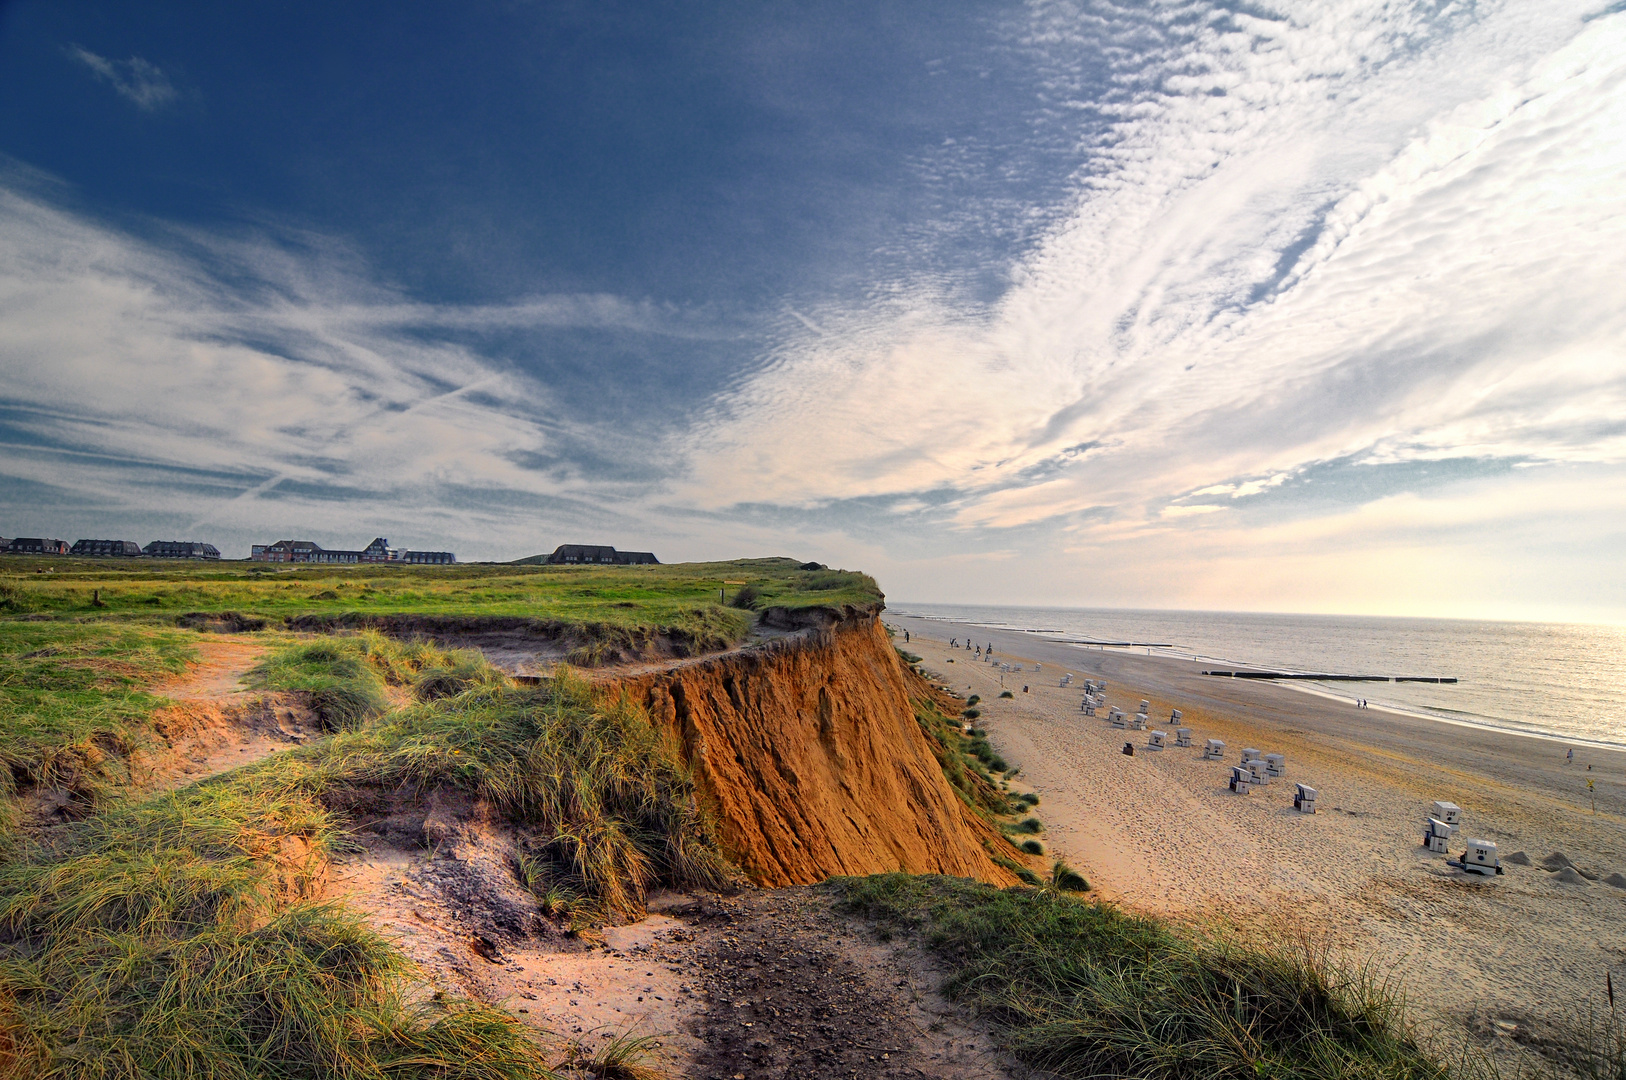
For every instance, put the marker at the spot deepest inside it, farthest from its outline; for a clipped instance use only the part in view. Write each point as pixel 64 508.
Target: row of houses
pixel 379 551
pixel 158 549
pixel 285 551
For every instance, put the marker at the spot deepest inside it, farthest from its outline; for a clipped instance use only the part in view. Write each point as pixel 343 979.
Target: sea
pixel 1561 680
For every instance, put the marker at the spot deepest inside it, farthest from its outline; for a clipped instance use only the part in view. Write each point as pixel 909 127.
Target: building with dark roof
pixel 428 558
pixel 122 548
pixel 36 545
pixel 180 549
pixel 379 551
pixel 599 555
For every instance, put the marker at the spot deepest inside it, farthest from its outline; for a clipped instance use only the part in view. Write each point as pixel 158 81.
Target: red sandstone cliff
pixel 808 750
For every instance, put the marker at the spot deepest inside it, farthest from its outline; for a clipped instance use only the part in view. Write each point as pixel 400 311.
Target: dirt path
pixel 765 984
pixel 215 723
pixel 218 674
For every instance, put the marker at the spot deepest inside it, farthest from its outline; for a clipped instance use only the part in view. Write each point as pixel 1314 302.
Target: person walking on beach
pixel 1569 756
pixel 906 637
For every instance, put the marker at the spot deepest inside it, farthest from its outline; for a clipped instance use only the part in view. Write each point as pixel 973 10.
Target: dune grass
pixel 966 771
pixel 1084 990
pixel 181 936
pixel 75 704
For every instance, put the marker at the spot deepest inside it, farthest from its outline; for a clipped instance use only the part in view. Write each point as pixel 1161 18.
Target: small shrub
pixel 973 699
pixel 1067 879
pixel 1030 825
pixel 908 657
pixel 1031 798
pixel 1006 693
pixel 325 594
pixel 970 714
pixel 1033 847
pixel 746 598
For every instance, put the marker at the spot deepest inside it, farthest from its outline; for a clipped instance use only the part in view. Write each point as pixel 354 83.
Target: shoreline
pixel 1159 832
pixel 1483 722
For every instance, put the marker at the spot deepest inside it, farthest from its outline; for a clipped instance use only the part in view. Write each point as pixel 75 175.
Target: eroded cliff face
pixel 808 750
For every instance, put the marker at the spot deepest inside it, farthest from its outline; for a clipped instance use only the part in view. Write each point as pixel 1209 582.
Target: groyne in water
pixel 1322 677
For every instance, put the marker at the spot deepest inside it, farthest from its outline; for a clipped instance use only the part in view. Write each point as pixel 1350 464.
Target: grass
pixel 179 937
pixel 604 807
pixel 678 598
pixel 1085 990
pixel 74 705
pixel 963 768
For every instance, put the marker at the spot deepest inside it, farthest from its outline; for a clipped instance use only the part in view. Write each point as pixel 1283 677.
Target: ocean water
pixel 1564 680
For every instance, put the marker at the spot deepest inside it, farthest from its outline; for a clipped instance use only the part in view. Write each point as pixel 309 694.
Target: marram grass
pixel 1081 989
pixel 182 937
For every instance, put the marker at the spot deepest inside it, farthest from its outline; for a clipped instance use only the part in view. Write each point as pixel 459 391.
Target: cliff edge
pixel 807 749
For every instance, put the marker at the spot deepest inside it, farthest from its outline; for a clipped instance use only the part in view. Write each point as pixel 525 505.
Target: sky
pixel 1313 306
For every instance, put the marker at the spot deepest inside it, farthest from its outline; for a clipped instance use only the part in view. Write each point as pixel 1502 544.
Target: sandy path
pixel 1160 832
pixel 215 722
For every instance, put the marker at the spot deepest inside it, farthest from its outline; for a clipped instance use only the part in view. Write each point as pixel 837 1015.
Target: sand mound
pixel 1617 880
pixel 1569 877
pixel 1556 861
pixel 1518 858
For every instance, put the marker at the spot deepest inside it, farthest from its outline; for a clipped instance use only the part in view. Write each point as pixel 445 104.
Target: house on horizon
pixel 36 545
pixel 180 549
pixel 128 549
pixel 598 555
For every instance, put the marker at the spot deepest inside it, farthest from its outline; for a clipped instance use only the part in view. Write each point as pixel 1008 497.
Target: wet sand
pixel 1160 832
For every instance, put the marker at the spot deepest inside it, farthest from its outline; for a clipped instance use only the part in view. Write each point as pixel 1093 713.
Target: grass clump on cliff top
pixel 74 705
pixel 1085 990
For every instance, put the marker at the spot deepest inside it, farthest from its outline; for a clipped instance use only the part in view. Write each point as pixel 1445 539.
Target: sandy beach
pixel 1160 832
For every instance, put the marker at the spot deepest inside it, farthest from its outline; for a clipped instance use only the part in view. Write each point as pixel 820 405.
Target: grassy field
pixel 657 597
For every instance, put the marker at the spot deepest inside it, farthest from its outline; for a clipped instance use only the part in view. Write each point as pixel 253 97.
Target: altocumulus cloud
pixel 1318 232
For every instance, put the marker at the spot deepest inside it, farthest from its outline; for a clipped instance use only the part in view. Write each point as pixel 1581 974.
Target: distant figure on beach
pixel 906 637
pixel 1569 756
pixel 1024 688
pixel 954 643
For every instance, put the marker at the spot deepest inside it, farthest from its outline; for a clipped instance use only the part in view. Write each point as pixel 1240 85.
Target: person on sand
pixel 906 637
pixel 1569 756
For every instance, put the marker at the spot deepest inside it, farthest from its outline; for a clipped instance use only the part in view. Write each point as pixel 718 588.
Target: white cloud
pixel 139 80
pixel 1393 234
pixel 302 390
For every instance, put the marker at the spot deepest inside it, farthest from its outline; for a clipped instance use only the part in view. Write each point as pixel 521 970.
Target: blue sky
pixel 1309 306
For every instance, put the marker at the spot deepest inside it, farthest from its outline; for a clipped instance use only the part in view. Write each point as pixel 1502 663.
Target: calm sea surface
pixel 1567 680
